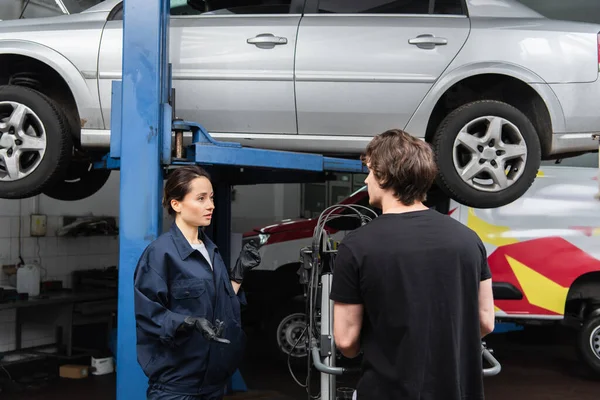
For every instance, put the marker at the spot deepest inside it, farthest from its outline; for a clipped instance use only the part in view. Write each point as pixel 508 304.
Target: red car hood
pixel 301 224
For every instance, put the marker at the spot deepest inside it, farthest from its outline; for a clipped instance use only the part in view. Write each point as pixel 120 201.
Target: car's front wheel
pixel 589 343
pixel 488 154
pixel 35 142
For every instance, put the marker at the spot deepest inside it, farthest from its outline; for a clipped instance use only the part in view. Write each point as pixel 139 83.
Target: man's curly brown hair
pixel 402 163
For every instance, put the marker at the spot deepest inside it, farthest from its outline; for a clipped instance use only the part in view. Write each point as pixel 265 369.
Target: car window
pixel 220 7
pixel 391 7
pixel 77 6
pixel 31 9
pixel 181 7
pixel 224 7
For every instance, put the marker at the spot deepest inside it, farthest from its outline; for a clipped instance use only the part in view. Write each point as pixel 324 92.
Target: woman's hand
pixel 208 330
pixel 249 258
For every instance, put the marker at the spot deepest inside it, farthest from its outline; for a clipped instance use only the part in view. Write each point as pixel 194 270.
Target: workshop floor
pixel 534 367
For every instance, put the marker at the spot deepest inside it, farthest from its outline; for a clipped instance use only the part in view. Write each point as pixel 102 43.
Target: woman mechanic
pixel 187 302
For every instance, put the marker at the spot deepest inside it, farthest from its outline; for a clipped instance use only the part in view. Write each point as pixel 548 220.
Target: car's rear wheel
pixel 35 142
pixel 488 154
pixel 81 180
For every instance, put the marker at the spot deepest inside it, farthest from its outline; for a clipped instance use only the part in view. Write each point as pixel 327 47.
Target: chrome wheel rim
pixel 22 141
pixel 290 331
pixel 490 154
pixel 595 342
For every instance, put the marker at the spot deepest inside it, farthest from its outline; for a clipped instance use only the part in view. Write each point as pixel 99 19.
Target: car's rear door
pixel 233 65
pixel 363 66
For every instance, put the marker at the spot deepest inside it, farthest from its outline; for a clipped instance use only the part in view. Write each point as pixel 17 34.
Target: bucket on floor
pixel 102 366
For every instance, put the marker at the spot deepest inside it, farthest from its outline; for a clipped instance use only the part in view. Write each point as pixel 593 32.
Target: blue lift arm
pixel 141 108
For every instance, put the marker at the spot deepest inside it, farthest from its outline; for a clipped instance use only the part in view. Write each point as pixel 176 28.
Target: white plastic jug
pixel 102 366
pixel 28 280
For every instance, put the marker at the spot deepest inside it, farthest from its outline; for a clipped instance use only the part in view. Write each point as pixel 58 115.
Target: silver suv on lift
pixel 494 86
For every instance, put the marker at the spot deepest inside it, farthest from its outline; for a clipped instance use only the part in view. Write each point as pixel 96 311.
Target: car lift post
pixel 141 108
pixel 142 104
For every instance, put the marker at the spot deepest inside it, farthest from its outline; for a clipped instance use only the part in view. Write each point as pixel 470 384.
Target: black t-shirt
pixel 417 275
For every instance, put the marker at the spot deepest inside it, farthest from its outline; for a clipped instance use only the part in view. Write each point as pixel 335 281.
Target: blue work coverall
pixel 173 281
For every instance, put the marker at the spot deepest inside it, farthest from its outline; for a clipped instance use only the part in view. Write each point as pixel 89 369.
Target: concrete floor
pixel 534 367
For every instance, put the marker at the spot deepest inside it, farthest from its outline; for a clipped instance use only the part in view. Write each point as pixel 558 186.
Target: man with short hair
pixel 412 288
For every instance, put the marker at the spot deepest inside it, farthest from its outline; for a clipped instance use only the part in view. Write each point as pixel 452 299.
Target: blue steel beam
pixel 206 150
pixel 115 125
pixel 144 96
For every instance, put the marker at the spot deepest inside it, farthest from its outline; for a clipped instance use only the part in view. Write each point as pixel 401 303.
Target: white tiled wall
pixel 57 256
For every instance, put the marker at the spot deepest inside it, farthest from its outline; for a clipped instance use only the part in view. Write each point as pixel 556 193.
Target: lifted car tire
pixel 80 181
pixel 488 154
pixel 35 142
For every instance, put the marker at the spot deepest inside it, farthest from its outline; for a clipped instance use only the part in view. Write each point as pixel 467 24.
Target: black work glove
pixel 207 329
pixel 249 258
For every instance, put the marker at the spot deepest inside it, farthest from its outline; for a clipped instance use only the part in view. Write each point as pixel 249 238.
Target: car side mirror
pixel 199 5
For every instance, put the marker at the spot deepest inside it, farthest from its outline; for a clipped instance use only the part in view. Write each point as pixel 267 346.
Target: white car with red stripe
pixel 543 251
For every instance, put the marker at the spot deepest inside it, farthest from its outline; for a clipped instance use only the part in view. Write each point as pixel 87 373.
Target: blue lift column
pixel 145 90
pixel 141 133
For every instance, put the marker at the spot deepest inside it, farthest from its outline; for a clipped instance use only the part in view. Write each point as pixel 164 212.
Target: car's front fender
pixel 83 85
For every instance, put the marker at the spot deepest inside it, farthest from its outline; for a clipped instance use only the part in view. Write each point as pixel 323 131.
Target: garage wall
pixel 261 205
pixel 59 256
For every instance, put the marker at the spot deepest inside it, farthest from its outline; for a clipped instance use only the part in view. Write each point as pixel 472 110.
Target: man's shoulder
pixel 460 237
pixel 438 222
pixel 449 230
pixel 359 234
pixel 454 225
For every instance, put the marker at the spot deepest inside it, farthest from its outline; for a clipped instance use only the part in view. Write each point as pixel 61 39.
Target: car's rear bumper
pixel 579 103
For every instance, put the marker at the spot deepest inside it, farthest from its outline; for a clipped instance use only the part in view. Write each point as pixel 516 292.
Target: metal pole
pixel 145 86
pixel 328 381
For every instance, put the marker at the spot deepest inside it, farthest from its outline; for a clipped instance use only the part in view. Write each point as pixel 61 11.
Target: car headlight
pixel 260 239
pixel 263 238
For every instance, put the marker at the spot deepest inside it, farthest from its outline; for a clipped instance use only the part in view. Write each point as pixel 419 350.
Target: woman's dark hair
pixel 178 184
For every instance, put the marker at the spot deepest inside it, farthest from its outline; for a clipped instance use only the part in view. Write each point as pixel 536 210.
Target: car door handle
pixel 267 40
pixel 428 41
